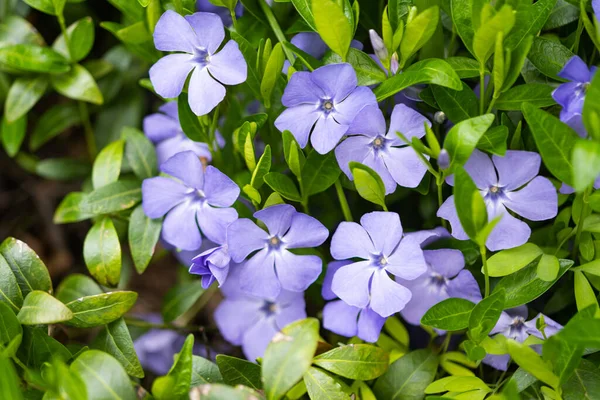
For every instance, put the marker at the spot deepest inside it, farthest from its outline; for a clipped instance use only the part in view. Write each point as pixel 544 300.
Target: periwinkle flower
pixel 344 319
pixel 250 321
pixel 198 201
pixel 380 243
pixel 513 325
pixel 196 39
pixel 211 265
pixel 507 183
pixel 324 102
pixel 274 267
pixel 370 144
pixel 378 46
pixel 571 95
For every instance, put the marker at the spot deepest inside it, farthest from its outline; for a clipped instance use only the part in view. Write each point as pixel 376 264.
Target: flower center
pixel 274 242
pixel 201 56
pixel 269 308
pixel 200 194
pixel 517 324
pixel 380 260
pixel 378 143
pixel 438 280
pixel 327 106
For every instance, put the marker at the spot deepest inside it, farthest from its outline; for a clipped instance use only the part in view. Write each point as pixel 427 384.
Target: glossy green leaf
pixel 319 173
pixel 591 108
pixel 548 56
pixel 530 19
pixel 518 57
pixel 10 293
pixel 103 376
pixel 102 252
pixel 53 122
pixel 530 361
pixel 332 25
pixel 262 168
pixel 283 185
pixel 249 53
pixel 114 197
pixel 143 234
pixel 10 326
pixel 63 169
pixel 140 153
pixel 408 376
pixel 107 165
pixel 368 72
pixel 355 361
pixel 76 286
pixel 32 58
pixel 304 8
pixel 9 380
pixel 562 355
pixel 69 209
pixel 115 340
pixel 485 315
pixel 204 372
pixel 508 261
pixel 548 267
pixel 494 140
pixel 272 73
pixel 418 32
pixel 41 308
pixel 13 134
pixel 430 71
pixel 81 40
pixel 464 13
pixel 586 163
pixel 180 298
pixel 368 183
pixel 584 383
pixel 555 141
pixel 289 356
pixel 236 371
pixel 190 124
pixel 323 385
pixel 458 105
pixel 100 309
pixel 463 137
pixel 464 67
pixel 584 294
pixel 37 347
pixel 27 267
pixel 451 314
pixel 17 30
pixel 469 204
pixel 179 377
pixel 536 94
pixel 24 93
pixel 77 84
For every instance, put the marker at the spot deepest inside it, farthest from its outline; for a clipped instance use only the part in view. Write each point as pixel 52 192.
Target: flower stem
pixel 234 20
pixel 582 213
pixel 439 180
pixel 483 251
pixel 481 90
pixel 276 29
pixel 343 201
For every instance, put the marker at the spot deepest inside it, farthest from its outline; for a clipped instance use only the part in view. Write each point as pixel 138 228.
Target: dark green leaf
pixel 537 94
pixel 368 72
pixel 549 56
pixel 12 134
pixel 283 185
pixel 77 84
pixel 494 140
pixel 530 19
pixel 463 137
pixel 236 371
pixel 189 121
pixel 62 169
pixel 469 204
pixel 319 173
pixel 451 314
pixel 458 105
pixel 41 308
pixel 143 235
pixel 530 361
pixel 28 268
pixel 38 348
pixel 204 372
pixel 10 293
pixel 464 67
pixel 355 361
pixel 81 40
pixel 100 309
pixel 54 121
pixel 563 356
pixel 140 153
pixel 23 95
pixel 31 58
pixel 484 315
pixel 76 286
pixel 304 8
pixel 103 376
pixel 116 196
pixel 10 327
pixel 180 298
pixel 249 53
pixel 115 340
pixel 584 383
pixel 464 12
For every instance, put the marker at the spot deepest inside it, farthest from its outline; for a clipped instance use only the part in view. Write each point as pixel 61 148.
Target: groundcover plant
pixel 299 199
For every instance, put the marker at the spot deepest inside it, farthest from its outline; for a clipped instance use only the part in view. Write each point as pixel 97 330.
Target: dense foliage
pixel 364 199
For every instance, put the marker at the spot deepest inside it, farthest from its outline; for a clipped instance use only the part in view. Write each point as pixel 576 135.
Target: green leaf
pixel 107 165
pixel 283 185
pixel 13 134
pixel 100 309
pixel 217 391
pixel 81 40
pixel 584 383
pixel 562 355
pixel 77 84
pixel 458 105
pixel 368 184
pixel 54 121
pixel 41 308
pixel 204 372
pixel 249 53
pixel 555 141
pixel 530 19
pixel 140 153
pixel 24 93
pixel 190 124
pixel 430 71
pixel 591 108
pixel 249 153
pixel 494 140
pixel 10 293
pixel 408 376
pixel 27 267
pixel 536 94
pixel 31 58
pixel 179 377
pixel 272 73
pixel 304 8
pixel 584 294
pixel 517 59
pixel 102 252
pixel 355 361
pixel 525 286
pixel 115 340
pixel 469 204
pixel 10 326
pixel 586 163
pixel 463 137
pixel 322 385
pixel 294 157
pixel 37 347
pixel 62 169
pixel 262 168
pixel 236 371
pixel 332 25
pixel 180 298
pixel 451 314
pixel 368 72
pixel 289 356
pixel 319 173
pixel 103 376
pixel 499 65
pixel 549 56
pixel 9 380
pixel 530 361
pixel 485 315
pixel 508 261
pixel 464 67
pixel 457 384
pixel 76 286
pixel 464 12
pixel 548 267
pixel 143 235
pixel 114 197
pixel 418 32
pixel 69 209
pixel 17 30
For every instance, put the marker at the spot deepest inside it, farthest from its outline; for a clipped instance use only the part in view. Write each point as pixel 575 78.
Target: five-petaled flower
pixel 211 265
pixel 507 183
pixel 384 249
pixel 325 102
pixel 394 160
pixel 274 266
pixel 344 319
pixel 571 95
pixel 252 321
pixel 197 199
pixel 196 39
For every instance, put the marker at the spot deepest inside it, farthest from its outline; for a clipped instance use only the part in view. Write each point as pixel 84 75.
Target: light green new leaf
pixel 143 235
pixel 262 168
pixel 584 294
pixel 272 73
pixel 368 184
pixel 465 15
pixel 77 84
pixel 418 32
pixel 333 26
pixel 355 361
pixel 586 163
pixel 41 308
pixel 548 267
pixel 469 204
pixel 24 93
pixel 506 262
pixel 463 137
pixel 591 108
pixel 485 37
pixel 107 165
pixel 530 19
pixel 451 314
pixel 100 309
pixel 176 384
pixel 9 380
pixel 13 134
pixel 102 252
pixel 10 326
pixel 530 361
pixel 485 315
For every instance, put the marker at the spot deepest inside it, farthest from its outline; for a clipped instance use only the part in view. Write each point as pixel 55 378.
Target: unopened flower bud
pixel 394 64
pixel 378 45
pixel 444 159
pixel 439 117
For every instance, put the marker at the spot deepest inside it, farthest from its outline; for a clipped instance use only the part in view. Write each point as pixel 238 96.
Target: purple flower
pixel 196 38
pixel 369 144
pixel 571 95
pixel 197 199
pixel 596 8
pixel 344 319
pixel 211 265
pixel 274 267
pixel 507 183
pixel 512 325
pixel 325 102
pixel 383 249
pixel 251 322
pixel 445 277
